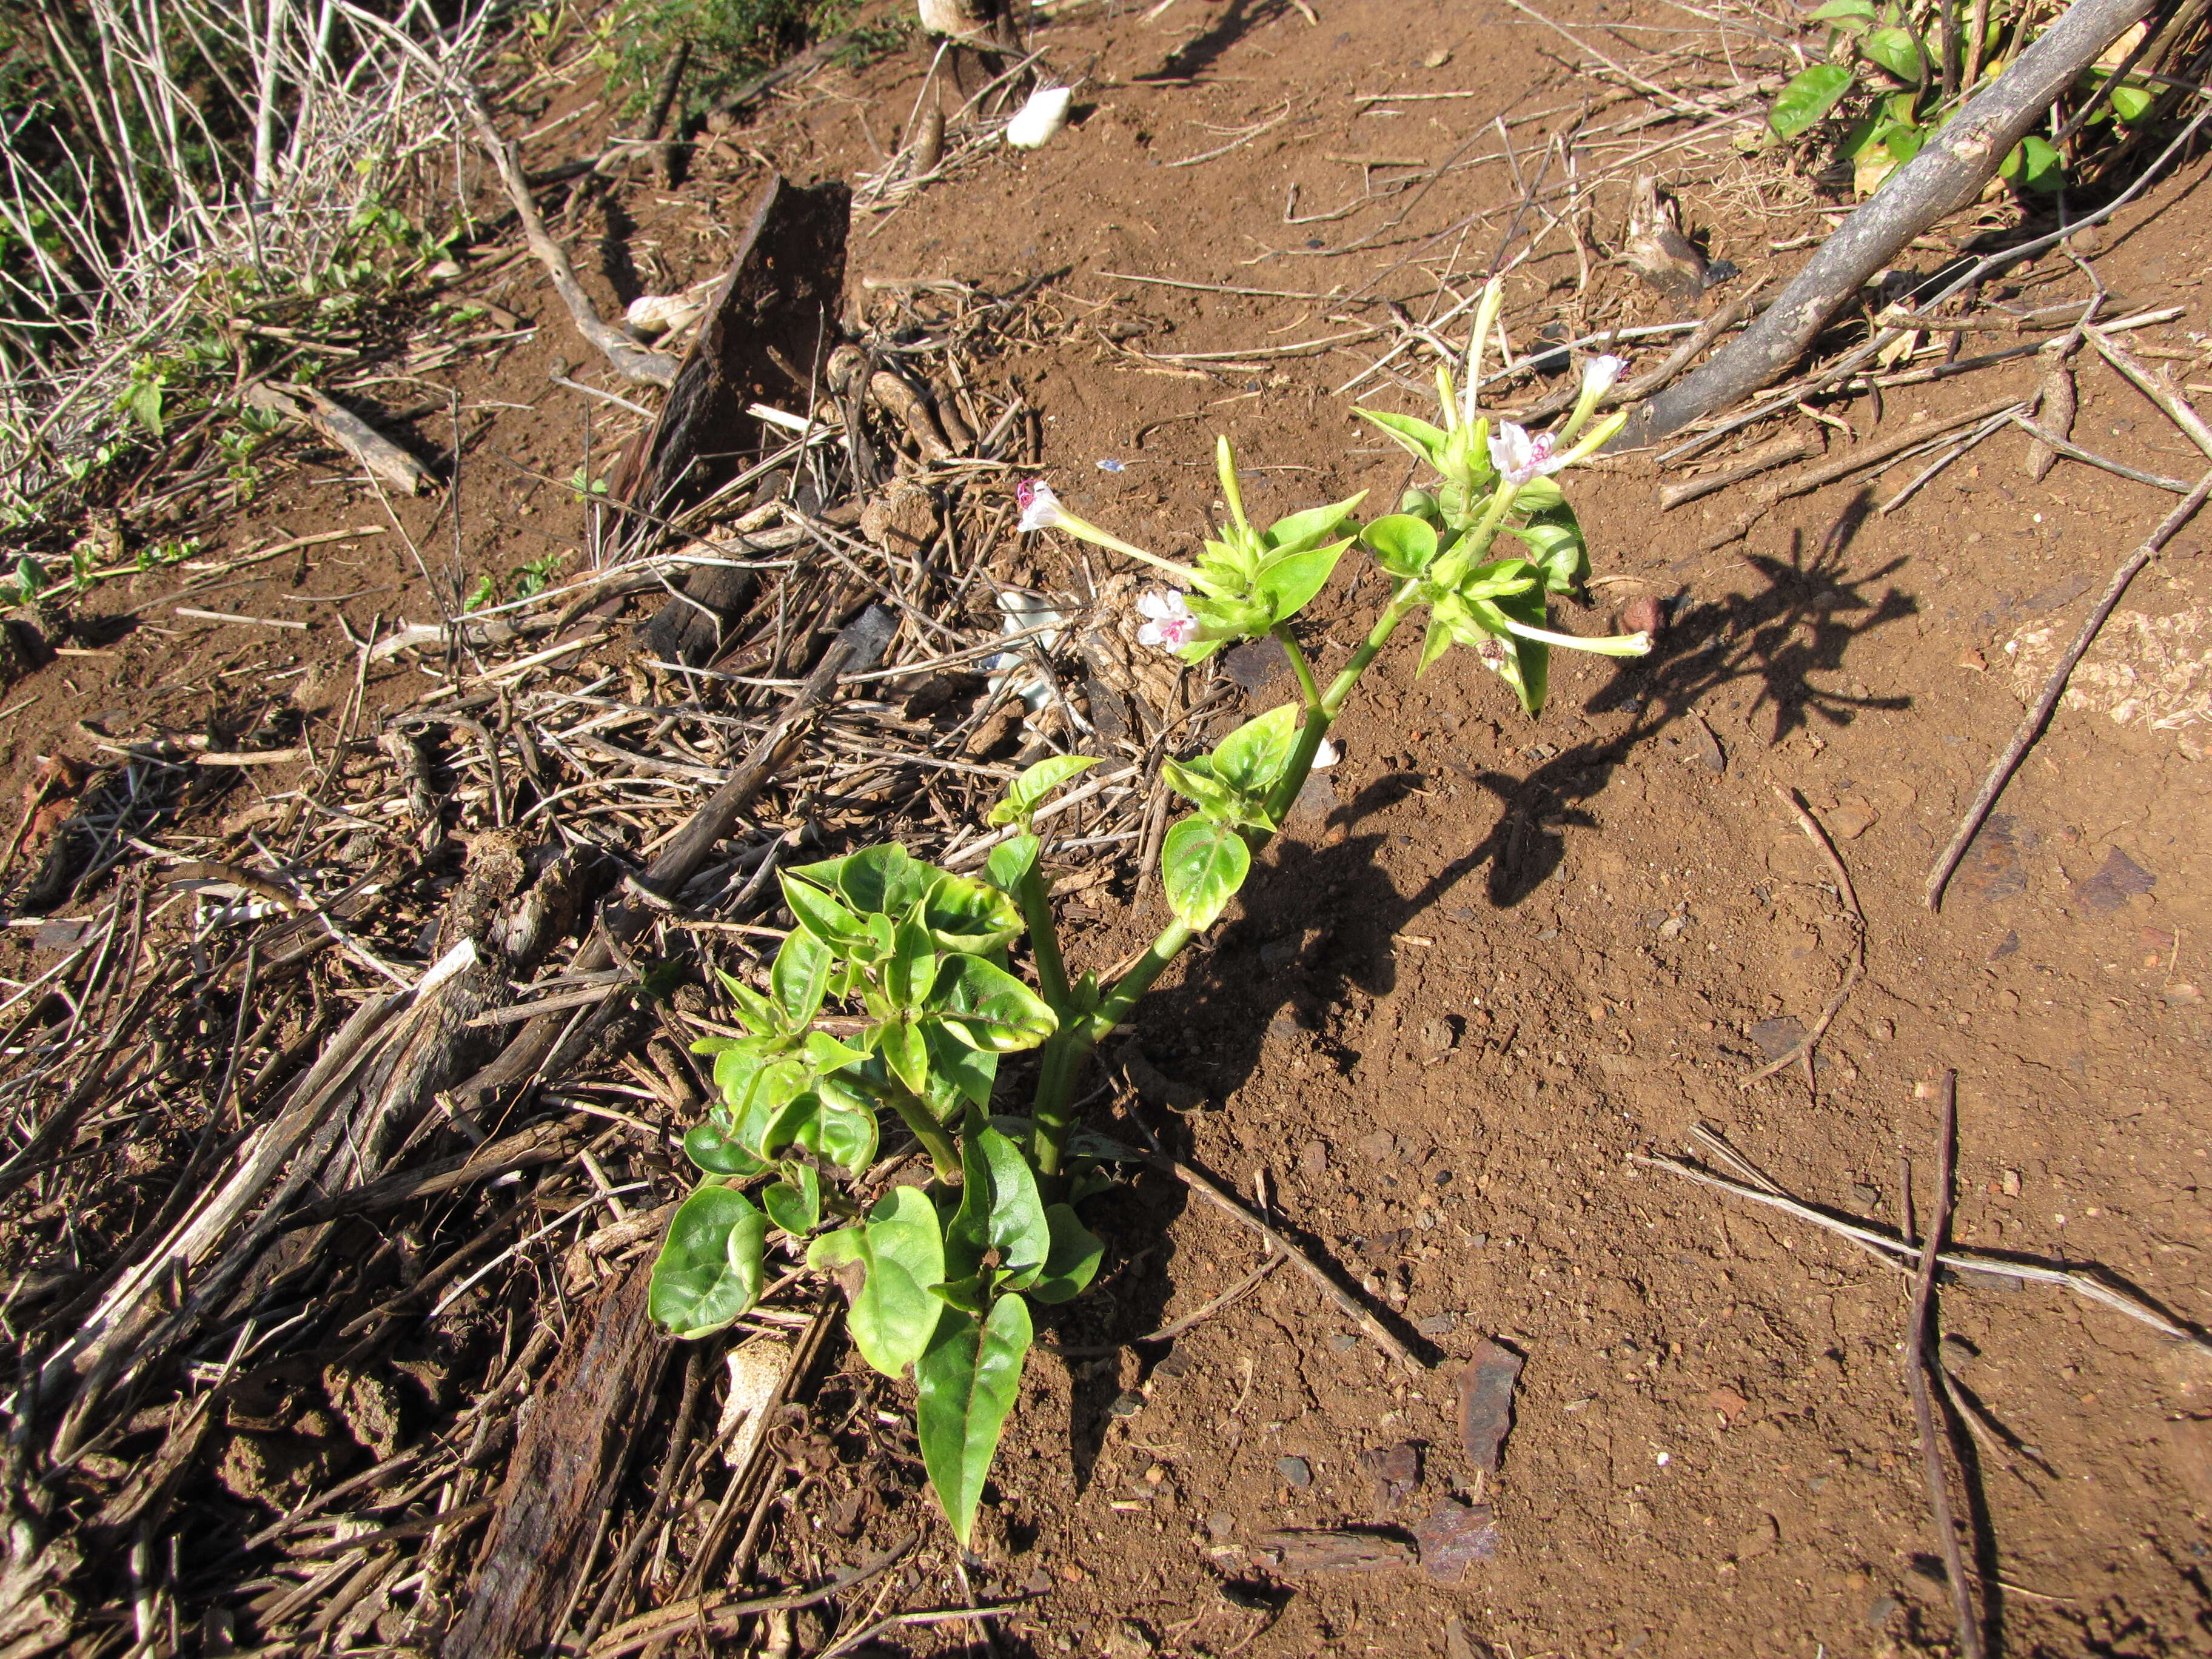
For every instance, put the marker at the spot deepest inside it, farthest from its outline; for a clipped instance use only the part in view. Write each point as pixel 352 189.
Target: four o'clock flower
pixel 1599 375
pixel 1041 510
pixel 1170 624
pixel 1520 457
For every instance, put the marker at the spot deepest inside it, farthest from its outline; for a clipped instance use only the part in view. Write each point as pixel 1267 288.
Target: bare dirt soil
pixel 1505 958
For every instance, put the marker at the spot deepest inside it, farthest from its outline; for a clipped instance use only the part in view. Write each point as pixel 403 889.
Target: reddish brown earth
pixel 1515 955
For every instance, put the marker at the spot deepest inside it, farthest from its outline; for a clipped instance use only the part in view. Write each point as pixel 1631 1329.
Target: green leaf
pixel 1289 583
pixel 969 916
pixel 1202 864
pixel 1843 12
pixel 901 1046
pixel 907 976
pixel 736 1065
pixel 1402 544
pixel 1526 665
pixel 794 1203
pixel 1894 50
pixel 968 1380
pixel 2131 104
pixel 1810 94
pixel 999 1228
pixel 847 1137
pixel 1554 539
pixel 822 915
pixel 1075 1258
pixel 958 1074
pixel 762 1017
pixel 886 1265
pixel 709 1273
pixel 1418 437
pixel 1252 758
pixel 1010 860
pixel 1194 782
pixel 884 880
pixel 1310 528
pixel 799 978
pixel 2033 165
pixel 1027 792
pixel 826 1054
pixel 711 1146
pixel 985 1006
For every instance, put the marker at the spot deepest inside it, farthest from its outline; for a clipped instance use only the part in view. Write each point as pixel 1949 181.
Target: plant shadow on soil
pixel 1320 921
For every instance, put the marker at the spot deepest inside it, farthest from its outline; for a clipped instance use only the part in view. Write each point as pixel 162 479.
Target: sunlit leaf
pixel 986 1007
pixel 794 1203
pixel 1028 792
pixel 709 1273
pixel 1252 758
pixel 968 1380
pixel 1202 864
pixel 1402 544
pixel 1808 95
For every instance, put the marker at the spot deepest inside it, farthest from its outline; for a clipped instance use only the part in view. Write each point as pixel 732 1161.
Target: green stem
pixel 1339 689
pixel 914 1111
pixel 1044 940
pixel 1307 688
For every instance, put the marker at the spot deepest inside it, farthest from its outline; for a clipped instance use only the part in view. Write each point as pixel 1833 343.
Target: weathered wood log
pixel 568 1460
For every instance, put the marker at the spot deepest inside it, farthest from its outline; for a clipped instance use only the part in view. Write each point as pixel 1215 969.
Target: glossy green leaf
pixel 826 1054
pixel 1843 12
pixel 1418 437
pixel 900 1044
pixel 822 915
pixel 1010 860
pixel 1896 50
pixel 1809 95
pixel 964 1075
pixel 794 1203
pixel 886 880
pixel 2033 164
pixel 1290 583
pixel 1202 864
pixel 912 969
pixel 885 1265
pixel 736 1065
pixel 847 1137
pixel 1028 792
pixel 999 1230
pixel 968 1380
pixel 971 917
pixel 711 1146
pixel 761 1016
pixel 1073 1259
pixel 1252 758
pixel 801 977
pixel 1194 780
pixel 1310 528
pixel 709 1273
pixel 1402 544
pixel 985 1006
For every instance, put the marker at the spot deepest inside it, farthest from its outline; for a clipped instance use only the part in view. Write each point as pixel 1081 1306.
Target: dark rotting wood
pixel 568 1459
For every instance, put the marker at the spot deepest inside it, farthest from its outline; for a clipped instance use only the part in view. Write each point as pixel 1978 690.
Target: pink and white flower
pixel 1521 457
pixel 1599 373
pixel 1040 506
pixel 1170 626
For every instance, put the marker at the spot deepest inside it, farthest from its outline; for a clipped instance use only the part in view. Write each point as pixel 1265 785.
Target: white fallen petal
pixel 1045 114
pixel 653 314
pixel 1326 756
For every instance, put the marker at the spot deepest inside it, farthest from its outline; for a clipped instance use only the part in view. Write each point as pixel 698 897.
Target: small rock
pixel 1220 1526
pixel 1883 1030
pixel 1331 1549
pixel 1438 1037
pixel 1442 55
pixel 1125 1404
pixel 1485 1403
pixel 1455 1538
pixel 1296 1472
pixel 1395 1470
pixel 1313 1158
pixel 1868 1196
pixel 1879 1610
pixel 1381 1147
pixel 1778 1037
pixel 1852 819
pixel 1644 614
pixel 2009 1183
pixel 2119 879
pixel 1443 1324
pixel 1343 1341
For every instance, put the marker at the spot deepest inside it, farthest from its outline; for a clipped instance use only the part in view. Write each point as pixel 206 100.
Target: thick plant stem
pixel 1044 940
pixel 914 1111
pixel 1339 689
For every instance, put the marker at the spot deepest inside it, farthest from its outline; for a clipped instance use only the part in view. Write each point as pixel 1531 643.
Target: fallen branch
pixel 382 457
pixel 1945 175
pixel 2031 723
pixel 630 359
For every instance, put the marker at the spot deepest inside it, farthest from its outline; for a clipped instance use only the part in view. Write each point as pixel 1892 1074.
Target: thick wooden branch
pixel 1948 174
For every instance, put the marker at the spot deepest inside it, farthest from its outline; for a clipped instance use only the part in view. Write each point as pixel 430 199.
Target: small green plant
pixel 1883 68
pixel 585 489
pixel 528 578
pixel 940 1278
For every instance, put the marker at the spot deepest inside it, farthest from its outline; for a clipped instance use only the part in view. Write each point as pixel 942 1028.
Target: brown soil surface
pixel 1513 956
